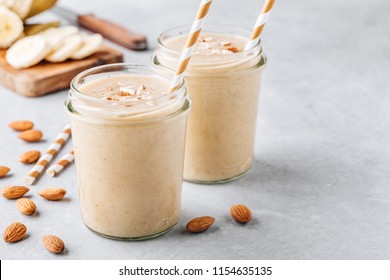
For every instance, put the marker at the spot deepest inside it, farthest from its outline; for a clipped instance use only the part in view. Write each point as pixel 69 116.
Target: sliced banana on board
pixel 56 36
pixel 91 44
pixel 11 27
pixel 53 45
pixel 27 52
pixel 70 45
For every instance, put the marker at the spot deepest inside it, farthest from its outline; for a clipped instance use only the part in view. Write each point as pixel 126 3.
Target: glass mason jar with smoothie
pixel 223 81
pixel 128 137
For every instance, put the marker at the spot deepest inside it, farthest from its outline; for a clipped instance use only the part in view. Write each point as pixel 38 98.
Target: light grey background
pixel 319 188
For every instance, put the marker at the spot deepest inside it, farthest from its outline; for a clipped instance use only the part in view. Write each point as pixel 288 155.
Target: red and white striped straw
pixel 190 44
pixel 64 161
pixel 260 23
pixel 48 156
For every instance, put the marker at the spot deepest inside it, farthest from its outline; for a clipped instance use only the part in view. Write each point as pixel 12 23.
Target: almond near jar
pixel 224 83
pixel 128 138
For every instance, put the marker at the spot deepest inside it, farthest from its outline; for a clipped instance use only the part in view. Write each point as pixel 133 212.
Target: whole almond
pixel 3 171
pixel 53 193
pixel 31 135
pixel 13 192
pixel 200 224
pixel 53 244
pixel 30 156
pixel 14 232
pixel 241 213
pixel 26 206
pixel 21 125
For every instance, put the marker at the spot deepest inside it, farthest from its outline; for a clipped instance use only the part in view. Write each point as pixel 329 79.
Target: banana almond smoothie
pixel 223 82
pixel 128 137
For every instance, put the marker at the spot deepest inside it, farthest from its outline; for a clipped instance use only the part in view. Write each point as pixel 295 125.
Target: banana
pixel 90 45
pixel 57 36
pixel 22 7
pixel 71 44
pixel 7 3
pixel 11 27
pixel 39 6
pixel 27 52
pixel 33 29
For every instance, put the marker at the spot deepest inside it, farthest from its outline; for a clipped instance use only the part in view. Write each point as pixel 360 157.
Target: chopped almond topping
pixel 126 91
pixel 123 93
pixel 226 52
pixel 233 49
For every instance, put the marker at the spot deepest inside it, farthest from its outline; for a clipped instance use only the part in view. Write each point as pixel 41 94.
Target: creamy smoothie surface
pixel 129 172
pixel 133 96
pixel 125 87
pixel 210 44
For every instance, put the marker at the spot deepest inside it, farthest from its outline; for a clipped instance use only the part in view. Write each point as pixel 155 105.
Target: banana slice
pixel 90 45
pixel 7 3
pixel 27 52
pixel 57 36
pixel 21 7
pixel 71 44
pixel 11 27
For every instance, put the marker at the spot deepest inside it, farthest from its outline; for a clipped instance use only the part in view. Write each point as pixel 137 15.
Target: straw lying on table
pixel 64 161
pixel 48 156
pixel 260 23
pixel 189 46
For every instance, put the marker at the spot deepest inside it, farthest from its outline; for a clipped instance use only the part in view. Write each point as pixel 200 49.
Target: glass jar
pixel 224 90
pixel 129 155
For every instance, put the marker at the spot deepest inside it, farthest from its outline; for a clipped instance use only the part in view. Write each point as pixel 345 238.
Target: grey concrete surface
pixel 319 188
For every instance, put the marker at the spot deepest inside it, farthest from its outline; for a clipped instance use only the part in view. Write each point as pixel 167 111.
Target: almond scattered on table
pixel 26 206
pixel 200 224
pixel 53 244
pixel 30 157
pixel 53 193
pixel 4 171
pixel 21 125
pixel 31 135
pixel 14 232
pixel 241 213
pixel 13 192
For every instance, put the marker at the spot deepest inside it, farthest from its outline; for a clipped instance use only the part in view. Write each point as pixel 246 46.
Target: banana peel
pixel 39 6
pixel 32 29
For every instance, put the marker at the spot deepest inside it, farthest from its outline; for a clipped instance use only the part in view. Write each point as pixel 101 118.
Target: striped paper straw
pixel 64 161
pixel 189 46
pixel 261 21
pixel 48 156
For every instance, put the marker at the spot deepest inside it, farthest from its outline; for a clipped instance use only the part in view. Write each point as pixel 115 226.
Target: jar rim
pixel 205 29
pixel 90 71
pixel 134 110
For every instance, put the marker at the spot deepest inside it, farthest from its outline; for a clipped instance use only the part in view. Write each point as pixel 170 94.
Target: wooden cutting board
pixel 47 77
